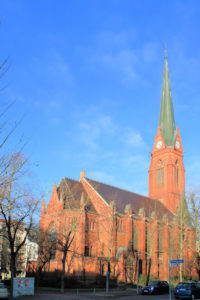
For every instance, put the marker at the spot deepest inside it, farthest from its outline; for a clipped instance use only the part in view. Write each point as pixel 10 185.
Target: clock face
pixel 159 144
pixel 177 144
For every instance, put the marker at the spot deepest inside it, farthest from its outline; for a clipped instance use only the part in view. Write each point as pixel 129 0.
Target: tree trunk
pixel 38 277
pixel 108 278
pixel 149 271
pixel 198 266
pixel 13 271
pixel 181 272
pixel 63 272
pixel 181 257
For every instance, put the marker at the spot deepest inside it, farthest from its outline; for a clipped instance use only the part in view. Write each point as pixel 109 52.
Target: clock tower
pixel 166 171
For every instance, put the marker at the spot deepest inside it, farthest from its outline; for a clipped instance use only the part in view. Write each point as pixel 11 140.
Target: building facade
pixel 112 226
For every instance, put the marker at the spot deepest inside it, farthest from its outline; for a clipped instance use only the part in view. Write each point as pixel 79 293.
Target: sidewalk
pixel 86 295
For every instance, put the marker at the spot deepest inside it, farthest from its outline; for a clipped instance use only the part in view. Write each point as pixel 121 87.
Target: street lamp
pixel 138 256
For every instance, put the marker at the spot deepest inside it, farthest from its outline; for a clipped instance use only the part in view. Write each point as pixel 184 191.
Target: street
pixel 127 295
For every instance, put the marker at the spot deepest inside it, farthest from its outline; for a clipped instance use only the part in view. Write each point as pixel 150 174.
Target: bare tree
pixel 130 263
pixel 4 66
pixel 46 251
pixel 65 238
pixel 17 207
pixel 68 226
pixel 7 128
pixel 151 238
pixel 194 205
pixel 183 223
pixel 47 248
pixel 107 237
pixel 4 255
pixel 17 204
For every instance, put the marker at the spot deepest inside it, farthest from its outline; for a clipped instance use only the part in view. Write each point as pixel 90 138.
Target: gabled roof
pixel 123 198
pixel 70 192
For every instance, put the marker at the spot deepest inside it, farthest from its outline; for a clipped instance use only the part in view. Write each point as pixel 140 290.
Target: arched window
pixel 103 249
pixel 52 240
pixel 148 239
pixel 135 238
pixel 119 225
pixel 176 173
pixel 87 251
pixel 102 269
pixel 160 241
pixel 160 173
pixel 114 270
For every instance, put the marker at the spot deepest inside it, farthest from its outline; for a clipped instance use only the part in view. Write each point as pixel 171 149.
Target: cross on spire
pixel 165 50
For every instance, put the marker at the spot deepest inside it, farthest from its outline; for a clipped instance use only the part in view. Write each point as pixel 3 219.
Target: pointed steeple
pixel 43 207
pixel 166 119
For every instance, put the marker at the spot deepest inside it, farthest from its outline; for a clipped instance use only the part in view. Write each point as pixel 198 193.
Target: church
pixel 120 231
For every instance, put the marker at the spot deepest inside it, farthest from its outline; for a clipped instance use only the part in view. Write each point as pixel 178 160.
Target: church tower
pixel 166 171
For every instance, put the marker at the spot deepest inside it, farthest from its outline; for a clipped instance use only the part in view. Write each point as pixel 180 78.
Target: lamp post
pixel 138 256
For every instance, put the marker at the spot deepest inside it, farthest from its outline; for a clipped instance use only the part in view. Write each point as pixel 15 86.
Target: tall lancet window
pixel 176 173
pixel 160 173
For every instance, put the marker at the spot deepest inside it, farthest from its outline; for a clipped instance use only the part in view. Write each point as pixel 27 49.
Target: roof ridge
pixel 155 200
pixel 120 189
pixel 68 178
pixel 86 179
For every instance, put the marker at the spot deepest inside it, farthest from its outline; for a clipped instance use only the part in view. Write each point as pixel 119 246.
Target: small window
pixel 53 242
pixel 102 270
pixel 158 176
pixel 177 179
pixel 160 173
pixel 135 238
pixel 176 173
pixel 120 225
pixel 86 251
pixel 114 271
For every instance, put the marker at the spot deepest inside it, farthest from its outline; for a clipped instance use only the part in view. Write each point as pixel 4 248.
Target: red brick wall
pixel 99 230
pixel 168 193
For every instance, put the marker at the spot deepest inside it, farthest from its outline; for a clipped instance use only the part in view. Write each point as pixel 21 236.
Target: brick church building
pixel 111 227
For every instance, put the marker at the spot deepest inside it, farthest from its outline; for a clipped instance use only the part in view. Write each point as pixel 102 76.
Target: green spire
pixel 166 119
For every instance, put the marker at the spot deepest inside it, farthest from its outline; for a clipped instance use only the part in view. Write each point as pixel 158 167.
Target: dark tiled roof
pixel 123 197
pixel 71 191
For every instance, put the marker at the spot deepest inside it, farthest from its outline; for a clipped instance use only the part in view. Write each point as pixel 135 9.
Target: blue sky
pixel 87 75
